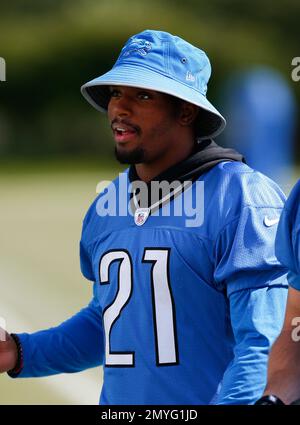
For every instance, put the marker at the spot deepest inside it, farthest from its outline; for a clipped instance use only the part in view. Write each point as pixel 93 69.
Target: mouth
pixel 124 132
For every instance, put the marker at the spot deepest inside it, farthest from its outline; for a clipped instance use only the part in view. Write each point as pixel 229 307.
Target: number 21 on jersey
pixel 163 305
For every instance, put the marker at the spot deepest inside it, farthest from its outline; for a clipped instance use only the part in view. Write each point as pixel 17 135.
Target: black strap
pixel 270 400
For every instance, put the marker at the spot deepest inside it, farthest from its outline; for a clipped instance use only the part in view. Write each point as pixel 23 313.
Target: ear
pixel 188 113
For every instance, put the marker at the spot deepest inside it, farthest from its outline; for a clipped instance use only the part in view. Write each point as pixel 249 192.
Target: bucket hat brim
pixel 210 122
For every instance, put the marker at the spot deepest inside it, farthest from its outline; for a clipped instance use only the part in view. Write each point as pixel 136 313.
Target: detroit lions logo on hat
pixel 142 47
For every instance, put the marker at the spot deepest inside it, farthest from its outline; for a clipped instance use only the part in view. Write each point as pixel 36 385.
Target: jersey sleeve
pixel 245 252
pixel 73 346
pixel 244 248
pixel 256 317
pixel 287 245
pixel 254 281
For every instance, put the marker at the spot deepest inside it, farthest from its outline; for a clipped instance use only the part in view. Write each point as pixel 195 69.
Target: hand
pixel 8 352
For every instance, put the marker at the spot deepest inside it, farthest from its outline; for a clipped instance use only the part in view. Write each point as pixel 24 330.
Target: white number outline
pixel 164 330
pixel 112 356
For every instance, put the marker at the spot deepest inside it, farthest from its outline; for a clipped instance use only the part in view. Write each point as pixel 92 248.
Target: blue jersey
pixel 288 237
pixel 182 313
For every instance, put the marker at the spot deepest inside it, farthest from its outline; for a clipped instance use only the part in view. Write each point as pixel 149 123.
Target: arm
pixel 256 318
pixel 74 345
pixel 284 361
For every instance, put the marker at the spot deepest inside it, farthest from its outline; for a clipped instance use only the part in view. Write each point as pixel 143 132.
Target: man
pixel 185 306
pixel 283 384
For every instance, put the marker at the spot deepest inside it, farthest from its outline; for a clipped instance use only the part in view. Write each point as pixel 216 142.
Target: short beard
pixel 136 156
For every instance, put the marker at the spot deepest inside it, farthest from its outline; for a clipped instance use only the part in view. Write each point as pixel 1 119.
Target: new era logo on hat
pixel 157 60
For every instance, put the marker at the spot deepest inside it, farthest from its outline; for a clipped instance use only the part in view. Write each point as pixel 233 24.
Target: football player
pixel 186 300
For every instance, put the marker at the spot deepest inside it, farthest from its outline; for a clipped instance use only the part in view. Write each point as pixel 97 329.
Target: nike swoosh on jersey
pixel 270 222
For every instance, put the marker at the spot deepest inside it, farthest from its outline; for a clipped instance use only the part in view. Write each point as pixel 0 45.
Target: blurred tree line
pixel 52 47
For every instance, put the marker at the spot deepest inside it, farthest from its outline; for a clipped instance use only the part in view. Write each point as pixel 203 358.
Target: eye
pixel 144 95
pixel 114 92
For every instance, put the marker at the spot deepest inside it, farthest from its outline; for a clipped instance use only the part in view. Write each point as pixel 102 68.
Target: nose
pixel 120 107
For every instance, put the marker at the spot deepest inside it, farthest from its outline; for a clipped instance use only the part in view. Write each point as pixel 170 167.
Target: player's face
pixel 144 124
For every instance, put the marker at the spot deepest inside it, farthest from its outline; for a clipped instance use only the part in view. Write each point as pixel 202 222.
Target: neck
pixel 147 171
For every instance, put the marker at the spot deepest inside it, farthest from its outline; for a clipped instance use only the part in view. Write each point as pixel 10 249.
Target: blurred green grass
pixel 41 211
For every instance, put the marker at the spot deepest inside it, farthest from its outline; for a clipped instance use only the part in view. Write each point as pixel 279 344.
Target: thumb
pixel 3 335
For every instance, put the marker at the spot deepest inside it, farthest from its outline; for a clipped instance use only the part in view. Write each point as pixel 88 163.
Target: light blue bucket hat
pixel 157 60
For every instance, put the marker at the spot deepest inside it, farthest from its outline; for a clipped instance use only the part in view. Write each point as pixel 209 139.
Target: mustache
pixel 126 122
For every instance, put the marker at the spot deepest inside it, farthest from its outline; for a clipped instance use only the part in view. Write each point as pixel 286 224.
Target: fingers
pixel 3 333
